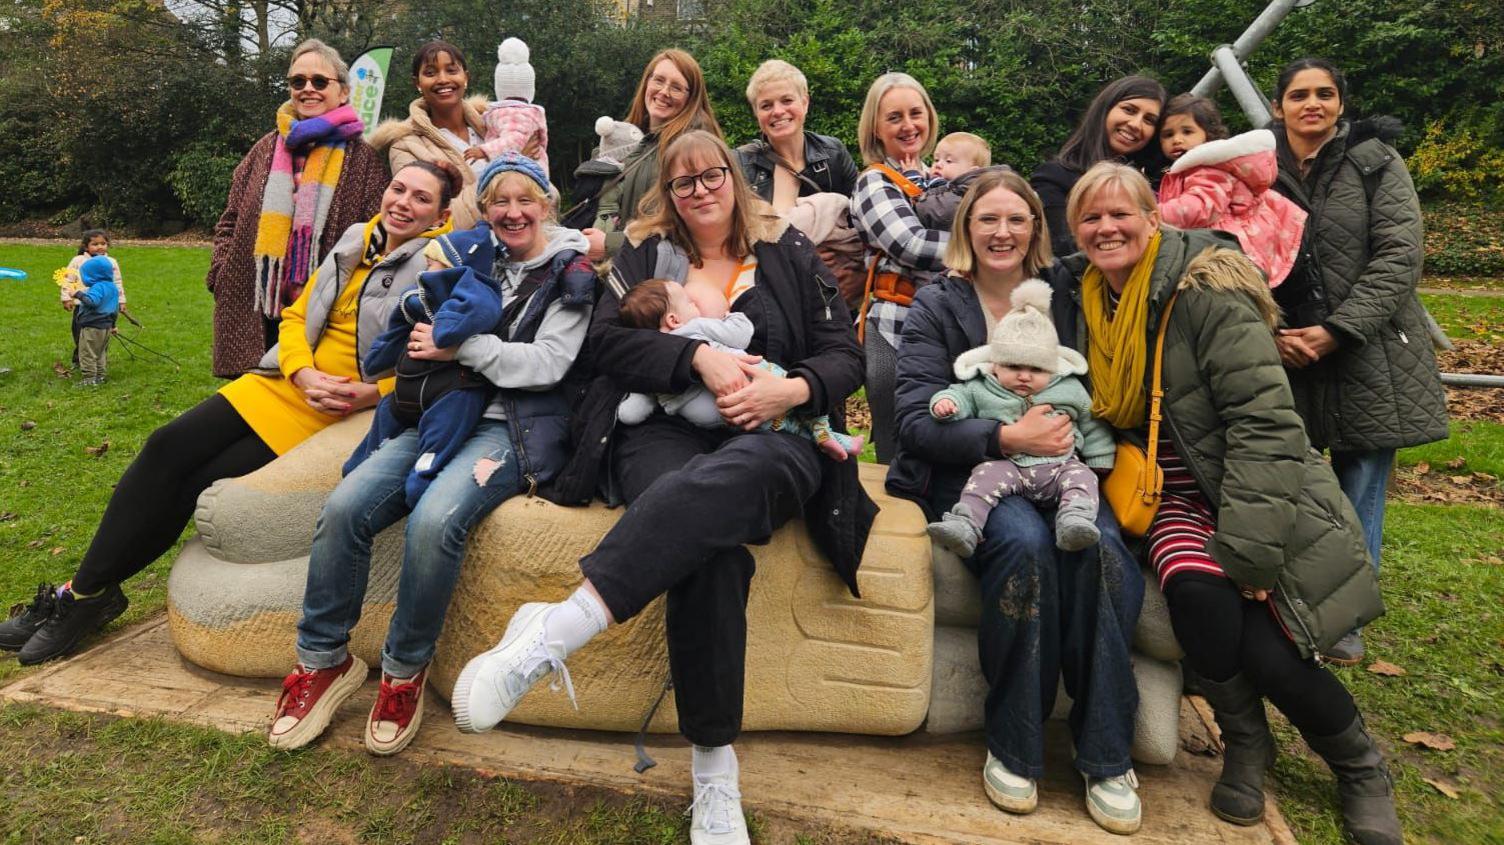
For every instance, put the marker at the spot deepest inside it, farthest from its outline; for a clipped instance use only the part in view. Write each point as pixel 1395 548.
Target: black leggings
pixel 156 496
pixel 1224 634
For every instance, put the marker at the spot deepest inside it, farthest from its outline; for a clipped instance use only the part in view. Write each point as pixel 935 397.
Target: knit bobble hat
pixel 96 270
pixel 618 137
pixel 512 163
pixel 1025 336
pixel 514 76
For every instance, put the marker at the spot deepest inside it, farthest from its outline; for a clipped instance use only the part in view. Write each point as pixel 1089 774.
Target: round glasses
pixel 684 186
pixel 299 82
pixel 988 224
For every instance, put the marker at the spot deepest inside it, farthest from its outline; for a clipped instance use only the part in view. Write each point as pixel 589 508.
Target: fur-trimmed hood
pixel 1226 149
pixel 1222 269
pixel 978 361
pixel 418 122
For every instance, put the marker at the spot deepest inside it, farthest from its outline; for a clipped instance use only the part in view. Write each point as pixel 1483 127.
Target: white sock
pixel 713 761
pixel 574 621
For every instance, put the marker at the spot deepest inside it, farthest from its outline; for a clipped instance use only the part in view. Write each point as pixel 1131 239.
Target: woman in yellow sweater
pixel 311 379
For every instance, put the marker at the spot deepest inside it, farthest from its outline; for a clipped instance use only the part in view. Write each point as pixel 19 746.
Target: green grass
pixel 1479 443
pixel 1468 317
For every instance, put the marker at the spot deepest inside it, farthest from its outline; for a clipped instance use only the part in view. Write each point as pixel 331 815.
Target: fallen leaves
pixel 1382 667
pixel 57 550
pixel 98 451
pixel 1474 403
pixel 61 371
pixel 1427 739
pixel 28 425
pixel 1444 787
pixel 1423 483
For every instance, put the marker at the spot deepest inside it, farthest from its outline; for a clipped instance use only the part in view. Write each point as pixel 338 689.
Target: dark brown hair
pixel 1287 76
pixel 1201 110
pixel 450 180
pixel 1088 144
pixel 645 304
pixel 89 235
pixel 430 52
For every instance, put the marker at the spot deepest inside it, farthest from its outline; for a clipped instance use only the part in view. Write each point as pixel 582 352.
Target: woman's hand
pixel 721 372
pixel 1253 594
pixel 766 397
pixel 1038 432
pixel 1315 342
pixel 597 240
pixel 336 396
pixel 1293 352
pixel 420 345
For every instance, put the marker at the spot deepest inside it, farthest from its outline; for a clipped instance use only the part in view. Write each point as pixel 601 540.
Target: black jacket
pixel 934 459
pixel 828 167
pixel 808 332
pixel 1053 182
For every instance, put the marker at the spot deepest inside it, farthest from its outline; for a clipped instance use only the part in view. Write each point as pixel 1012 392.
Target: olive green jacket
pixel 1380 389
pixel 1283 524
pixel 619 201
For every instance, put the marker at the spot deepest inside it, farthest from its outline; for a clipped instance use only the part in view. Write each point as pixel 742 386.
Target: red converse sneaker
pixel 396 715
pixel 309 700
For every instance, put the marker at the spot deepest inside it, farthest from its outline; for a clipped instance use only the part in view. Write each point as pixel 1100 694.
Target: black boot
pixel 1247 749
pixel 26 619
pixel 1363 784
pixel 72 619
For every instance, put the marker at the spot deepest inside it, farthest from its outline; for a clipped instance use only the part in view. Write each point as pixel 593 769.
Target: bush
pixel 1464 240
pixel 1455 163
pixel 200 177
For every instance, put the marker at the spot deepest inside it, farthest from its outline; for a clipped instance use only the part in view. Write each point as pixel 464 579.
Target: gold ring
pixel 1248 594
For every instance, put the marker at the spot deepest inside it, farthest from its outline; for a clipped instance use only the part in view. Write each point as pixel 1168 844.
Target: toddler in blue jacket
pixel 98 307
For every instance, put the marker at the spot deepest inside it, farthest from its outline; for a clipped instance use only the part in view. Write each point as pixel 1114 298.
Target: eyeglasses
pixel 988 224
pixel 712 179
pixel 661 82
pixel 299 82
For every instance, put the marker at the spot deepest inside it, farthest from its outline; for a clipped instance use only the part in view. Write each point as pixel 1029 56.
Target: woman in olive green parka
pixel 1259 554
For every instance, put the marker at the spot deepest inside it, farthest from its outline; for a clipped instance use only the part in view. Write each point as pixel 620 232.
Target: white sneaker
pixel 1113 803
pixel 716 814
pixel 1009 791
pixel 494 681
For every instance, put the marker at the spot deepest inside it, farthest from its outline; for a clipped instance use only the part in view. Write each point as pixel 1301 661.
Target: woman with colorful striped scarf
pixel 295 192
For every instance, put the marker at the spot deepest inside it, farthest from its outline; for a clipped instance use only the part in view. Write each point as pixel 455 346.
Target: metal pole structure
pixel 1243 90
pixel 1471 380
pixel 1242 48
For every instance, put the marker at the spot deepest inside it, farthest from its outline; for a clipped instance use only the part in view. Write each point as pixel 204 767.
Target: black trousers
pixel 155 498
pixel 695 498
pixel 1224 634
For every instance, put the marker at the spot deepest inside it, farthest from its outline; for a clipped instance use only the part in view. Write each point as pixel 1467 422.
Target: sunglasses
pixel 299 82
pixel 684 186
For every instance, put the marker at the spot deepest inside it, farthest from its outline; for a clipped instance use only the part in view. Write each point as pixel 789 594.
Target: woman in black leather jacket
pixel 786 162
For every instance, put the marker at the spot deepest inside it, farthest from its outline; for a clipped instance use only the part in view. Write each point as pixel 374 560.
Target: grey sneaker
pixel 1348 651
pixel 1113 803
pixel 1010 792
pixel 956 532
pixel 1075 529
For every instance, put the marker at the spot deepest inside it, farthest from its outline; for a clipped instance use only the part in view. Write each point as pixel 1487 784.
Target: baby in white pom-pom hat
pixel 514 123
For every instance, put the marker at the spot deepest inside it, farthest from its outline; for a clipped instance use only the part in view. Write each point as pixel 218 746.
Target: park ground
pixel 1431 688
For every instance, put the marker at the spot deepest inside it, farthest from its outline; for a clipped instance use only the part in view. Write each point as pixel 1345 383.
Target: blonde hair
pixel 773 71
pixel 981 151
pixel 330 56
pixel 959 256
pixel 752 220
pixel 493 191
pixel 866 126
pixel 1109 174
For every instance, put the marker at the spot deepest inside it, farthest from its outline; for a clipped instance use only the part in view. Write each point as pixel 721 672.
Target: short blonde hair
pixel 959 256
pixel 330 56
pixel 976 145
pixel 866 127
pixel 493 191
pixel 1109 174
pixel 773 71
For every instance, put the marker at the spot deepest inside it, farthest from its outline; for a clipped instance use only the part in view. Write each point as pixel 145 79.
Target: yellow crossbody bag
pixel 1133 487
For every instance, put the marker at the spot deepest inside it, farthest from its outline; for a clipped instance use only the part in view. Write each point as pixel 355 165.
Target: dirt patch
pixel 1448 484
pixel 858 415
pixel 1474 403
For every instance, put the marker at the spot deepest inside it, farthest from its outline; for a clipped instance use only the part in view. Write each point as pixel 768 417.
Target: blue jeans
pixel 1364 477
pixel 1046 612
pixel 372 498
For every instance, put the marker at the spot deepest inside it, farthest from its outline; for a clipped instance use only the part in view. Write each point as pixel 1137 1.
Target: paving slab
pixel 918 788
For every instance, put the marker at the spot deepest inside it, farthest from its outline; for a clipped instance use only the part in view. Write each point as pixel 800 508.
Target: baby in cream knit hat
pixel 1022 365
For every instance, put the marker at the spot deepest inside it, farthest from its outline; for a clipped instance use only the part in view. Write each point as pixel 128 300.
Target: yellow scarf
pixel 1118 345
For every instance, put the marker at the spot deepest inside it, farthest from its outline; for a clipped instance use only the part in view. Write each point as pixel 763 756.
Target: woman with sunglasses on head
pixel 670 101
pixel 291 198
pixel 696 496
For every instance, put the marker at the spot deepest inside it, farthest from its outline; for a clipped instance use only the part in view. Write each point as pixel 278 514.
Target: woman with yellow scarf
pixel 1259 554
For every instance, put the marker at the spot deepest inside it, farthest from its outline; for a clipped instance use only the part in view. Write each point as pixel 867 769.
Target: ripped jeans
pixel 372 498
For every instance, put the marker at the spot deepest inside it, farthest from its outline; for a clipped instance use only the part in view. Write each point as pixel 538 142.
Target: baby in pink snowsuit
pixel 514 123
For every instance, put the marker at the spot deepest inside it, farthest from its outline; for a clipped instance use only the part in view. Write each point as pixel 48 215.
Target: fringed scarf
pixel 1118 346
pixel 296 201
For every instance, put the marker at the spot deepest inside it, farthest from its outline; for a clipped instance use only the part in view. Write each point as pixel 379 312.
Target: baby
pixel 702 314
pixel 959 159
pixel 1024 365
pixel 514 123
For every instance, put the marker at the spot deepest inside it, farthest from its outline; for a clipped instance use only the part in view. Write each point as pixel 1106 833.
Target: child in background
pixel 514 123
pixel 93 242
pixel 1217 182
pixel 98 304
pixel 1022 365
pixel 702 313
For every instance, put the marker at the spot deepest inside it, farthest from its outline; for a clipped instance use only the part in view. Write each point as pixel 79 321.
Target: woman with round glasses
pixel 670 101
pixel 696 496
pixel 1046 613
pixel 301 186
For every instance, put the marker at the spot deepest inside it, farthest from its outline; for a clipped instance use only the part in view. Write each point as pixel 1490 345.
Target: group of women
pixel 1286 573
